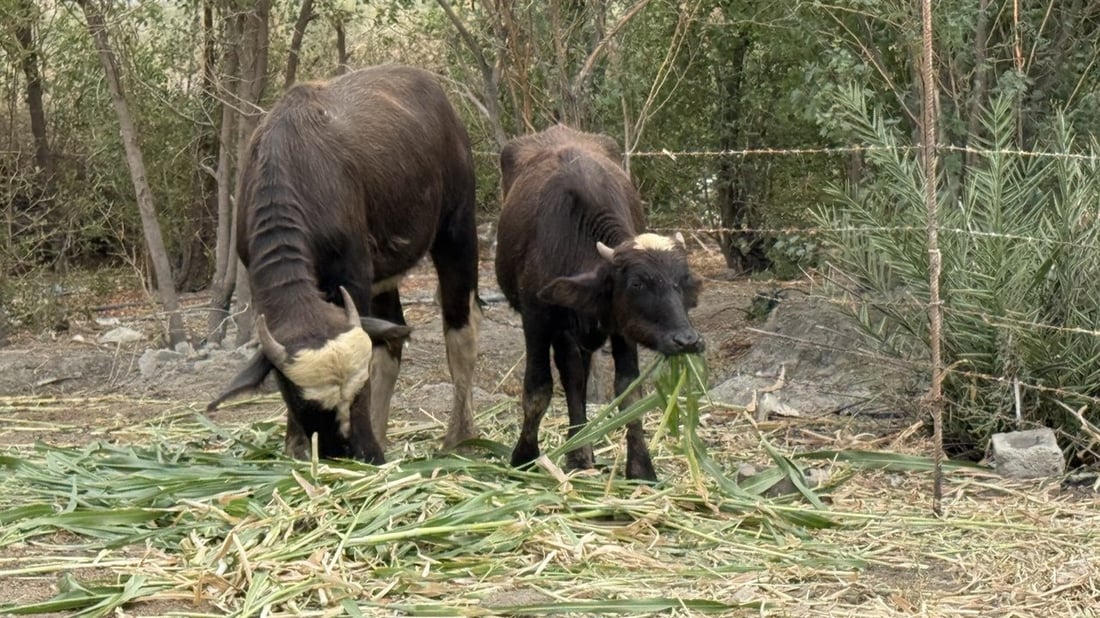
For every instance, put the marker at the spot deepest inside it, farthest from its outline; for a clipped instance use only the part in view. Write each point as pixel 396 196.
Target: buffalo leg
pixel 573 365
pixel 639 465
pixel 538 386
pixel 455 257
pixel 385 365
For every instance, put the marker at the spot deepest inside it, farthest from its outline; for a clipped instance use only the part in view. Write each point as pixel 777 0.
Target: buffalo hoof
pixel 524 455
pixel 641 469
pixel 581 459
pixel 456 435
pixel 375 458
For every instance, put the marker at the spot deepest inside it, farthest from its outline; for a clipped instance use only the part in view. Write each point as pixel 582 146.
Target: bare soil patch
pixel 68 387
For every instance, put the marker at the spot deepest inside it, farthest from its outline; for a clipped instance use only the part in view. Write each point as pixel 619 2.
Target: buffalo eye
pixel 639 283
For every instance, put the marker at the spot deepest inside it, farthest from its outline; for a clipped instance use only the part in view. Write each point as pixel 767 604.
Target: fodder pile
pixel 197 519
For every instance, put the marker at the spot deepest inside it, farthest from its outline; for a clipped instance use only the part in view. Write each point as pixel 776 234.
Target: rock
pixel 147 364
pixel 169 356
pixel 812 477
pixel 808 360
pixel 184 348
pixel 770 404
pixel 121 335
pixel 152 361
pixel 1028 454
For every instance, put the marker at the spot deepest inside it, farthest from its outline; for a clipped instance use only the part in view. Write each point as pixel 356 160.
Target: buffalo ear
pixel 585 293
pixel 385 332
pixel 248 379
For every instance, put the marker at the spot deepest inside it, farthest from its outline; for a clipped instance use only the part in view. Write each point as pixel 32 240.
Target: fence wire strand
pixel 673 155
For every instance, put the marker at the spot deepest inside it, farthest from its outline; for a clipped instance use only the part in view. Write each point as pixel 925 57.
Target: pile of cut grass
pixel 207 520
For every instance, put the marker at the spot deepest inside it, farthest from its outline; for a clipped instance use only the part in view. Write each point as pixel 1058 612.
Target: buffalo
pixel 574 260
pixel 346 185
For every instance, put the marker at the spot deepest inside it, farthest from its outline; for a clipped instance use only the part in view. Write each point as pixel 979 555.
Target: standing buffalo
pixel 572 259
pixel 347 185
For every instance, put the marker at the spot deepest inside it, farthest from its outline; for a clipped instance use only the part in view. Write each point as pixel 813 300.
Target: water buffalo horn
pixel 349 307
pixel 274 350
pixel 606 252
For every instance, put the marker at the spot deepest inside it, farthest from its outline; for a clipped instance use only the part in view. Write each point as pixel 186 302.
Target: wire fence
pixel 673 155
pixel 680 188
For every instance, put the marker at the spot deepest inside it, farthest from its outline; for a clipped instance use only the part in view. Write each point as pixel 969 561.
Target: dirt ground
pixel 70 388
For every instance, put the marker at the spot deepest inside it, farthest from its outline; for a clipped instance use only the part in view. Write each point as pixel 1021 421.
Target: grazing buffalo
pixel 347 185
pixel 572 258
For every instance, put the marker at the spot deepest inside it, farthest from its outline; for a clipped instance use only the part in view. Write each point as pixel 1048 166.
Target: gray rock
pixel 817 349
pixel 153 361
pixel 1028 454
pixel 169 356
pixel 811 477
pixel 121 335
pixel 148 364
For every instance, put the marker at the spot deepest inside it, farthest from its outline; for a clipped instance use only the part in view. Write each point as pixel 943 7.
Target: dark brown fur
pixel 564 192
pixel 348 183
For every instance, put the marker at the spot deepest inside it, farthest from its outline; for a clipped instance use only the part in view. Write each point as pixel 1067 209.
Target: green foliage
pixel 792 254
pixel 658 84
pixel 94 194
pixel 1019 245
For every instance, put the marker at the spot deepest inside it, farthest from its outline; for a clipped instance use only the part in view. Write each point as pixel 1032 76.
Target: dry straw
pixel 196 519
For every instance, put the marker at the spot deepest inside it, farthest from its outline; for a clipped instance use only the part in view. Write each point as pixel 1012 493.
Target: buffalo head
pixel 643 287
pixel 326 364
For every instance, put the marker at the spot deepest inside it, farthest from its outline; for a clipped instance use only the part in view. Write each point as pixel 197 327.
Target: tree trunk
pixel 225 254
pixel 980 86
pixel 244 301
pixel 566 110
pixel 253 59
pixel 745 251
pixel 341 48
pixel 490 75
pixel 305 15
pixel 196 262
pixel 514 49
pixel 150 226
pixel 44 214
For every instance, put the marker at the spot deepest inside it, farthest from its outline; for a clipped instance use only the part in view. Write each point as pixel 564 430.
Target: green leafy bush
pixel 793 253
pixel 1021 272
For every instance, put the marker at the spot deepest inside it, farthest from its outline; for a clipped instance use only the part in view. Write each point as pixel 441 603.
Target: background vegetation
pixel 768 127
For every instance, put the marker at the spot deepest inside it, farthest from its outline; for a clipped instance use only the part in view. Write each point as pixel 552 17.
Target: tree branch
pixel 305 15
pixel 467 38
pixel 590 62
